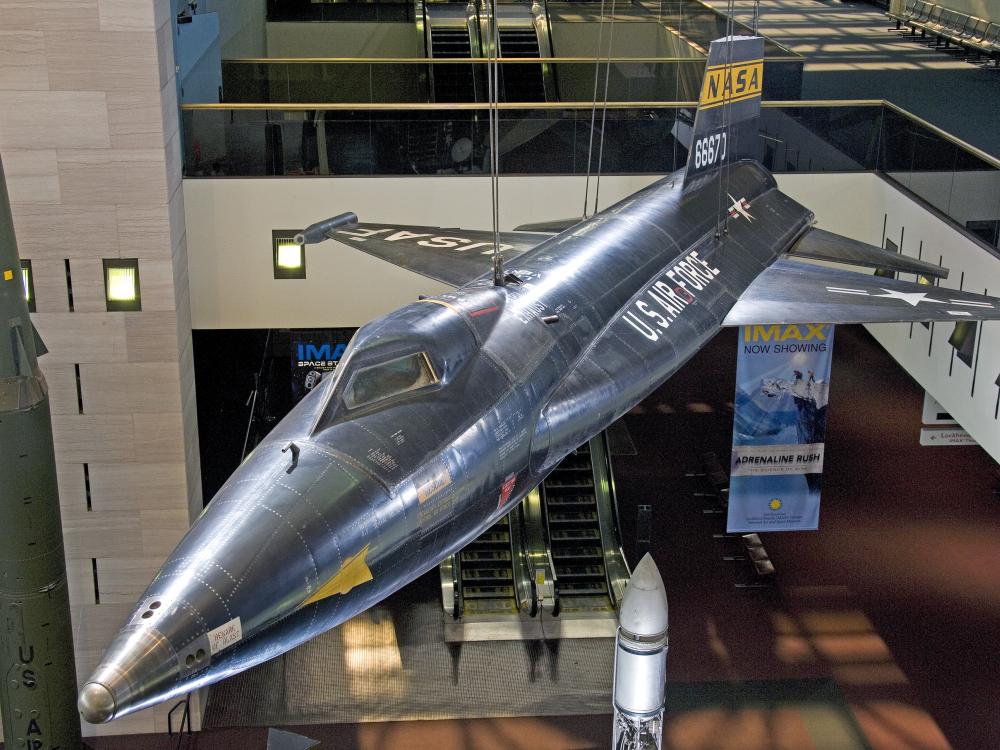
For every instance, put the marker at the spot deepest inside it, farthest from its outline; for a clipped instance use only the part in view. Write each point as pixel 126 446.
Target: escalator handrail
pixel 544 545
pixel 456 578
pixel 520 565
pixel 616 568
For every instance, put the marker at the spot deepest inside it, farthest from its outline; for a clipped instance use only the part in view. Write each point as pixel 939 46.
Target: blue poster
pixel 779 427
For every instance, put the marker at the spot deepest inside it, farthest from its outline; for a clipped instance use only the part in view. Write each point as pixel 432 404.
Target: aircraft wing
pixel 553 226
pixel 446 254
pixel 793 292
pixel 822 245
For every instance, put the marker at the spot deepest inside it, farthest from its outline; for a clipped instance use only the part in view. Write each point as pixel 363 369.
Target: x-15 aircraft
pixel 444 414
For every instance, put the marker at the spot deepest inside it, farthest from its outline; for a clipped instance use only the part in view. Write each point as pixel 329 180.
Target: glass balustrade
pixel 255 140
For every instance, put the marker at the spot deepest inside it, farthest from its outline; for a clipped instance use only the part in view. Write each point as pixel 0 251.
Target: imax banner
pixel 782 385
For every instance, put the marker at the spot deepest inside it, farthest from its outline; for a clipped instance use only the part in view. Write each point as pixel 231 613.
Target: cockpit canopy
pixel 416 349
pixel 382 381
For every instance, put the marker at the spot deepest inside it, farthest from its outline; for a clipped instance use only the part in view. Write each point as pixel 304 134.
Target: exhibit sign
pixel 315 354
pixel 779 427
pixel 938 436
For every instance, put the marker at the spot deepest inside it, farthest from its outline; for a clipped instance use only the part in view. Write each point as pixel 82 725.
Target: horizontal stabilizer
pixel 822 245
pixel 452 256
pixel 793 292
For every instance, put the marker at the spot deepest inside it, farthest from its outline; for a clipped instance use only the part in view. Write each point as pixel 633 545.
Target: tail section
pixel 725 125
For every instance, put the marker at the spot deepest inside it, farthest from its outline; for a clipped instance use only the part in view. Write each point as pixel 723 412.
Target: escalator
pixel 459 31
pixel 451 32
pixel 452 83
pixel 521 82
pixel 487 573
pixel 490 578
pixel 559 552
pixel 580 515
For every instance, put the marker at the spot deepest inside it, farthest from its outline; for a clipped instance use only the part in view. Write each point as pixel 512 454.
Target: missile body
pixel 641 661
pixel 38 692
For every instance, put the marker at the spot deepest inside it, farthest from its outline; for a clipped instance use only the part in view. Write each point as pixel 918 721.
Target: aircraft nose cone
pixel 96 703
pixel 140 663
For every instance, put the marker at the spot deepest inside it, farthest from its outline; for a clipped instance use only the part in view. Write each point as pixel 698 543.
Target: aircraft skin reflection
pixel 444 414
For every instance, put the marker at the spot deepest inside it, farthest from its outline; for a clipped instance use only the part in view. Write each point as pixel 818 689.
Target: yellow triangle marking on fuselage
pixel 352 573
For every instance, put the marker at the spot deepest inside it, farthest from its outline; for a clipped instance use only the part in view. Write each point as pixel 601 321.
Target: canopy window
pixel 387 379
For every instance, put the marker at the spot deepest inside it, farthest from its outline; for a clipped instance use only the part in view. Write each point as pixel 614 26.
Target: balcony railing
pixel 411 80
pixel 348 139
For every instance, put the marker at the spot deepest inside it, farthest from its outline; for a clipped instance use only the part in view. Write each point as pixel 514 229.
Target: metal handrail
pixel 551 106
pixel 446 107
pixel 462 60
pixel 446 60
pixel 616 570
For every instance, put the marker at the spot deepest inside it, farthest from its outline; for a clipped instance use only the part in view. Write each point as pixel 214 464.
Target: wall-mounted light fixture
pixel 29 284
pixel 121 285
pixel 289 256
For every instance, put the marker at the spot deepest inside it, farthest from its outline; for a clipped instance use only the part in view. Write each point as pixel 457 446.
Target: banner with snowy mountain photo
pixel 779 427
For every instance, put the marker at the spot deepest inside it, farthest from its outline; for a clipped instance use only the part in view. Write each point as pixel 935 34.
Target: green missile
pixel 38 691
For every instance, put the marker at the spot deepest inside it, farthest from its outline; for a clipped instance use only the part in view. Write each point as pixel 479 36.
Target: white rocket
pixel 641 661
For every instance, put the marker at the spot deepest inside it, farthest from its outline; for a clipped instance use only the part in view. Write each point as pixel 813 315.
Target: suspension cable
pixel 493 81
pixel 729 116
pixel 593 111
pixel 604 113
pixel 677 75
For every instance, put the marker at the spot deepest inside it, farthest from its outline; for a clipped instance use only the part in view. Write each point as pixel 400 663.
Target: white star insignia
pixel 913 298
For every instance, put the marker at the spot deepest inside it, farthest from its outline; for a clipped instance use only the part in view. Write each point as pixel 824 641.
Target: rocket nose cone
pixel 96 703
pixel 644 607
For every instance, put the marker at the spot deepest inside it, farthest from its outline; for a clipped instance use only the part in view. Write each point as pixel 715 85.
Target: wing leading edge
pixel 793 292
pixel 822 245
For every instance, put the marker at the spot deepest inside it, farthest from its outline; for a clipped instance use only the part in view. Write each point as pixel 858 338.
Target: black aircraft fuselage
pixel 366 485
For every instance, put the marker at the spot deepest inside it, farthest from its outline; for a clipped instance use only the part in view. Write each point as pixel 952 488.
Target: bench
pixel 949 27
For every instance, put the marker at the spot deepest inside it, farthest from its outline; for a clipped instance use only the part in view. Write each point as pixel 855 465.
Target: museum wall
pixel 858 206
pixel 342 39
pixel 229 240
pixel 89 140
pixel 241 26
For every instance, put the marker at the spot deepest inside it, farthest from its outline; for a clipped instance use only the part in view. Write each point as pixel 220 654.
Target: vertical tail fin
pixel 725 124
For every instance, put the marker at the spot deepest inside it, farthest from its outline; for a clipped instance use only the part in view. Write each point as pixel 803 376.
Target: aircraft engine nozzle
pixel 317 232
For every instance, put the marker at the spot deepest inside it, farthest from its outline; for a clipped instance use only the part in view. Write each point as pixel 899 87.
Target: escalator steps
pixel 487 592
pixel 572 535
pixel 486 574
pixel 582 571
pixel 490 606
pixel 573 516
pixel 491 537
pixel 485 556
pixel 576 553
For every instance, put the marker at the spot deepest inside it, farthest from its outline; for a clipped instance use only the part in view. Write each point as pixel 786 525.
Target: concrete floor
pixel 851 54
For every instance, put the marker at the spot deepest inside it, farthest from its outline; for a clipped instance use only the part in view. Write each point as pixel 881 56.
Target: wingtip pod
pixel 318 232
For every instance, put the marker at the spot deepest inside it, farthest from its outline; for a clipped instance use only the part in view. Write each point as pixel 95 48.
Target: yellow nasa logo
pixel 793 332
pixel 731 83
pixel 775 504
